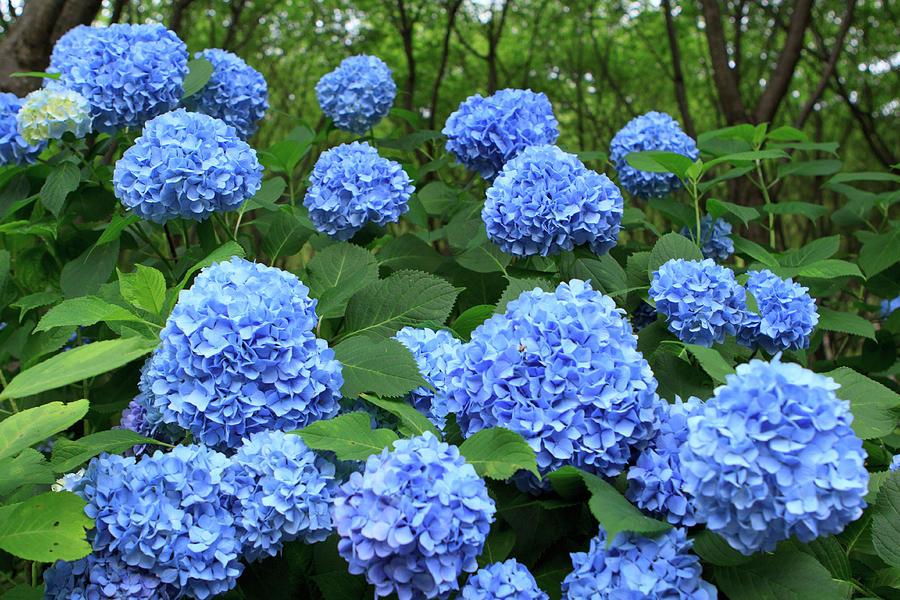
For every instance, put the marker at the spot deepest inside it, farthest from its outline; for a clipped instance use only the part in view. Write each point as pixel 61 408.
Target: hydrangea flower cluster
pixel 103 576
pixel 700 300
pixel 14 149
pixel 49 112
pixel 239 355
pixel 563 370
pixel 143 417
pixel 352 185
pixel 651 131
pixel 286 493
pixel 432 351
pixel 186 165
pixel 655 481
pixel 484 133
pixel 772 455
pixel 509 580
pixel 545 201
pixel 358 94
pixel 637 567
pixel 714 240
pixel 235 93
pixel 895 463
pixel 889 306
pixel 787 314
pixel 414 519
pixel 128 73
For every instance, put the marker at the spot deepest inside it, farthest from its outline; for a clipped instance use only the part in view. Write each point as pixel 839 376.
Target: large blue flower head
pixel 651 131
pixel 432 351
pixel 128 73
pixel 239 355
pixel 352 185
pixel 14 149
pixel 286 493
pixel 171 514
pixel 51 111
pixel 103 576
pixel 772 455
pixel 358 94
pixel 509 580
pixel 889 306
pixel 636 567
pixel 700 300
pixel 545 201
pixel 563 370
pixel 235 93
pixel 414 519
pixel 484 133
pixel 187 165
pixel 655 481
pixel 787 314
pixel 714 240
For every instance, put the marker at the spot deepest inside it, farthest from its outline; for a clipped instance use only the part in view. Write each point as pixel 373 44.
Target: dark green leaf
pixel 24 592
pixel 864 176
pixel 82 312
pixel 34 425
pixel 829 269
pixel 269 193
pixel 809 168
pixel 410 142
pixel 113 231
pixel 781 576
pixel 713 548
pixel 409 252
pixel 804 209
pixel 719 208
pixel 28 468
pixel 84 275
pixel 70 454
pixel 497 547
pixel 832 320
pixel 711 361
pixel 199 72
pixel 466 323
pixel 336 273
pixel 880 252
pixel 384 367
pixel 754 251
pixel 5 260
pixel 285 235
pixel 61 182
pixel 499 453
pixel 886 521
pixel 349 436
pixel 875 408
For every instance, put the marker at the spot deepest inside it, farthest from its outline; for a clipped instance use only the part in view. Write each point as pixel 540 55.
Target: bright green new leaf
pixel 875 408
pixel 34 425
pixel 45 528
pixel 381 366
pixel 499 453
pixel 145 289
pixel 70 454
pixel 349 436
pixel 670 246
pixel 82 312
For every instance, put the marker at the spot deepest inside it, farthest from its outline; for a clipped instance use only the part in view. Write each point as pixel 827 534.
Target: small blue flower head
pixel 170 514
pixel 787 314
pixel 895 463
pixel 563 370
pixel 772 455
pixel 286 493
pixel 714 240
pixel 414 519
pixel 358 94
pixel 508 580
pixel 239 355
pixel 545 201
pixel 352 185
pixel 700 300
pixel 655 481
pixel 103 576
pixel 636 567
pixel 186 165
pixel 49 112
pixel 889 306
pixel 14 149
pixel 235 93
pixel 643 316
pixel 128 73
pixel 651 131
pixel 432 351
pixel 484 133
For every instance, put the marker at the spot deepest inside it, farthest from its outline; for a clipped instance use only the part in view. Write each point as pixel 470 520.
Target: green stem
pixel 225 227
pixel 765 192
pixel 140 233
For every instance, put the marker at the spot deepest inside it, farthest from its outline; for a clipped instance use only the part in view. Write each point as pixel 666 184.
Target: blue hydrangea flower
pixel 286 493
pixel 714 240
pixel 358 94
pixel 700 300
pixel 414 519
pixel 636 567
pixel 186 165
pixel 787 314
pixel 49 112
pixel 352 185
pixel 143 417
pixel 128 73
pixel 14 149
pixel 563 370
pixel 655 481
pixel 102 576
pixel 643 316
pixel 238 355
pixel 432 350
pixel 772 455
pixel 484 133
pixel 545 201
pixel 651 131
pixel 235 93
pixel 895 463
pixel 889 306
pixel 172 514
pixel 508 580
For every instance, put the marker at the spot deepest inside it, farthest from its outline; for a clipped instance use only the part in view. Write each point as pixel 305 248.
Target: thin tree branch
pixel 452 9
pixel 678 76
pixel 726 85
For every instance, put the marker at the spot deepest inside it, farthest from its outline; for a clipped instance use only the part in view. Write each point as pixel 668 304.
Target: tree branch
pixel 452 9
pixel 678 76
pixel 726 85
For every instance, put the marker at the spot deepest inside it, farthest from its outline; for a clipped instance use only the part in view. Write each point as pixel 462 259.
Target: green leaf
pixel 660 161
pixel 670 246
pixel 754 251
pixel 886 521
pixel 381 366
pixel 409 252
pixel 28 468
pixel 497 547
pixel 517 287
pixel 199 72
pixel 62 181
pixel 604 273
pixel 349 436
pixel 145 289
pixel 24 592
pixel 285 235
pixel 832 320
pixel 711 361
pixel 484 258
pixel 875 408
pixel 224 252
pixel 829 269
pixel 269 193
pixel 749 155
pixel 412 422
pixel 36 74
pixel 713 548
pixel 83 312
pixel 805 209
pixel 336 273
pixel 880 252
pixel 883 578
pixel 812 252
pixel 45 528
pixel 719 208
pixel 76 365
pixel 468 321
pixel 84 275
pixel 499 453
pixel 113 230
pixel 29 427
pixel 780 576
pixel 864 176
pixel 14 194
pixel 34 300
pixel 589 155
pixel 69 454
pixel 410 142
pixel 809 168
pixel 786 133
pixel 405 298
pixel 5 261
